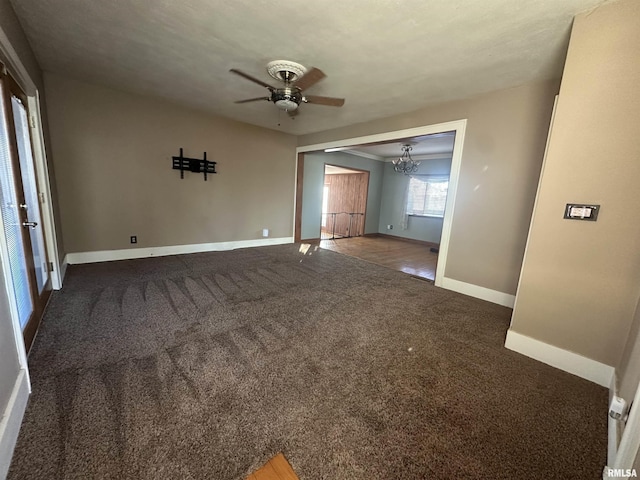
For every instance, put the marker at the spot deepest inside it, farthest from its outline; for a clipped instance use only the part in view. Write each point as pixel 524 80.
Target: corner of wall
pixel 63 269
pixel 565 360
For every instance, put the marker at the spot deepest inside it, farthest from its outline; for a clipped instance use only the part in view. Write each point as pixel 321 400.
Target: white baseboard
pixel 476 291
pixel 130 253
pixel 570 362
pixel 11 421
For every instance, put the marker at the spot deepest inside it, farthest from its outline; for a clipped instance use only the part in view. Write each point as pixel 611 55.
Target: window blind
pixel 427 195
pixel 12 224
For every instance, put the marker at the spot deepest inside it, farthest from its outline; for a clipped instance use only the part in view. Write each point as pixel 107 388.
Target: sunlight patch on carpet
pixel 275 469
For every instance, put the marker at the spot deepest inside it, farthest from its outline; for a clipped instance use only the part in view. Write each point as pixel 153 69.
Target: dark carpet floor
pixel 204 366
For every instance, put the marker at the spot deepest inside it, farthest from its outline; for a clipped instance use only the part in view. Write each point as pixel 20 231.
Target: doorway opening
pixel 414 209
pixel 412 197
pixel 344 202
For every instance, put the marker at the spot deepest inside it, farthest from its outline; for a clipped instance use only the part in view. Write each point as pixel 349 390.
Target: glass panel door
pixel 32 204
pixel 20 210
pixel 13 229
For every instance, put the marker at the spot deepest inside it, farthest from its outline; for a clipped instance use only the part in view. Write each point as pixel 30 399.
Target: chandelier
pixel 405 164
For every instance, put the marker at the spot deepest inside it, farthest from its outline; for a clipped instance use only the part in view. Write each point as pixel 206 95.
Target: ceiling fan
pixel 296 79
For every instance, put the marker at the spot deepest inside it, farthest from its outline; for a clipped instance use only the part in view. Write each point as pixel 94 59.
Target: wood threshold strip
pixel 277 468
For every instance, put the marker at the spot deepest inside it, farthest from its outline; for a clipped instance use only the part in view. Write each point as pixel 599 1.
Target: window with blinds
pixel 11 222
pixel 427 195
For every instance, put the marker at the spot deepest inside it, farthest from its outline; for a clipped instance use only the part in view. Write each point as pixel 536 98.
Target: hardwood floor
pixel 275 469
pixel 412 258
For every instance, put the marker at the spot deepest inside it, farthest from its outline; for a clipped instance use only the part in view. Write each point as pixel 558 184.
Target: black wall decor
pixel 196 165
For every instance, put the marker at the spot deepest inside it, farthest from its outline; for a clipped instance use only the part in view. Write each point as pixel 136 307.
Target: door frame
pixel 22 77
pixel 39 298
pixel 457 126
pixel 14 65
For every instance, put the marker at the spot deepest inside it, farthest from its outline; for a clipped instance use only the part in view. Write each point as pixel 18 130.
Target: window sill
pixel 425 216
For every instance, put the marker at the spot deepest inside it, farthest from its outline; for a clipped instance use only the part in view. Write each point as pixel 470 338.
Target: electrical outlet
pixel 134 239
pixel 389 227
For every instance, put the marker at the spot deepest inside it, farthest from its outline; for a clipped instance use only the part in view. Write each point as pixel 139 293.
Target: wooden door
pixel 346 203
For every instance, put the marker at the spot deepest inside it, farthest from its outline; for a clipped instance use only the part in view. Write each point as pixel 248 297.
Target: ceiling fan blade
pixel 252 79
pixel 252 99
pixel 309 79
pixel 318 100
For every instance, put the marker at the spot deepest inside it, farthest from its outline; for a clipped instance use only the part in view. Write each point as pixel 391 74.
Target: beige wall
pixel 580 281
pixel 503 150
pixel 113 154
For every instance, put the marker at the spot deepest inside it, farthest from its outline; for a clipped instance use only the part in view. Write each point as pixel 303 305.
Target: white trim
pixel 447 222
pixel 336 149
pixel 44 188
pixel 12 419
pixel 612 425
pixel 383 137
pixel 477 291
pixel 131 253
pixel 459 127
pixel 570 362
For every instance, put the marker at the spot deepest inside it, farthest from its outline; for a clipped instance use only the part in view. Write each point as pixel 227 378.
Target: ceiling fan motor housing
pixel 287 98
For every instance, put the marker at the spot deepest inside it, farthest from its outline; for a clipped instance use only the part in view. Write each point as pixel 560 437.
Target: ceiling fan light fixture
pixel 286 104
pixel 286 98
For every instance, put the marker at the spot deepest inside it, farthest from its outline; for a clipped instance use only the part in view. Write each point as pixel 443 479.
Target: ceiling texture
pixel 385 57
pixel 430 145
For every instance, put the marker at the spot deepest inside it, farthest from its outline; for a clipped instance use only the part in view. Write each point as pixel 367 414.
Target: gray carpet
pixel 204 366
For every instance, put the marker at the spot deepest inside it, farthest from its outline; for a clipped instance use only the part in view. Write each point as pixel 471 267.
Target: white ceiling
pixel 384 57
pixel 439 143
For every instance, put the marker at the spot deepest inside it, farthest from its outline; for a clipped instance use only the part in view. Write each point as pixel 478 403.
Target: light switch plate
pixel 581 211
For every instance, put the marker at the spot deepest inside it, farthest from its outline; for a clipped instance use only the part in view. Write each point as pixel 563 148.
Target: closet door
pixel 20 209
